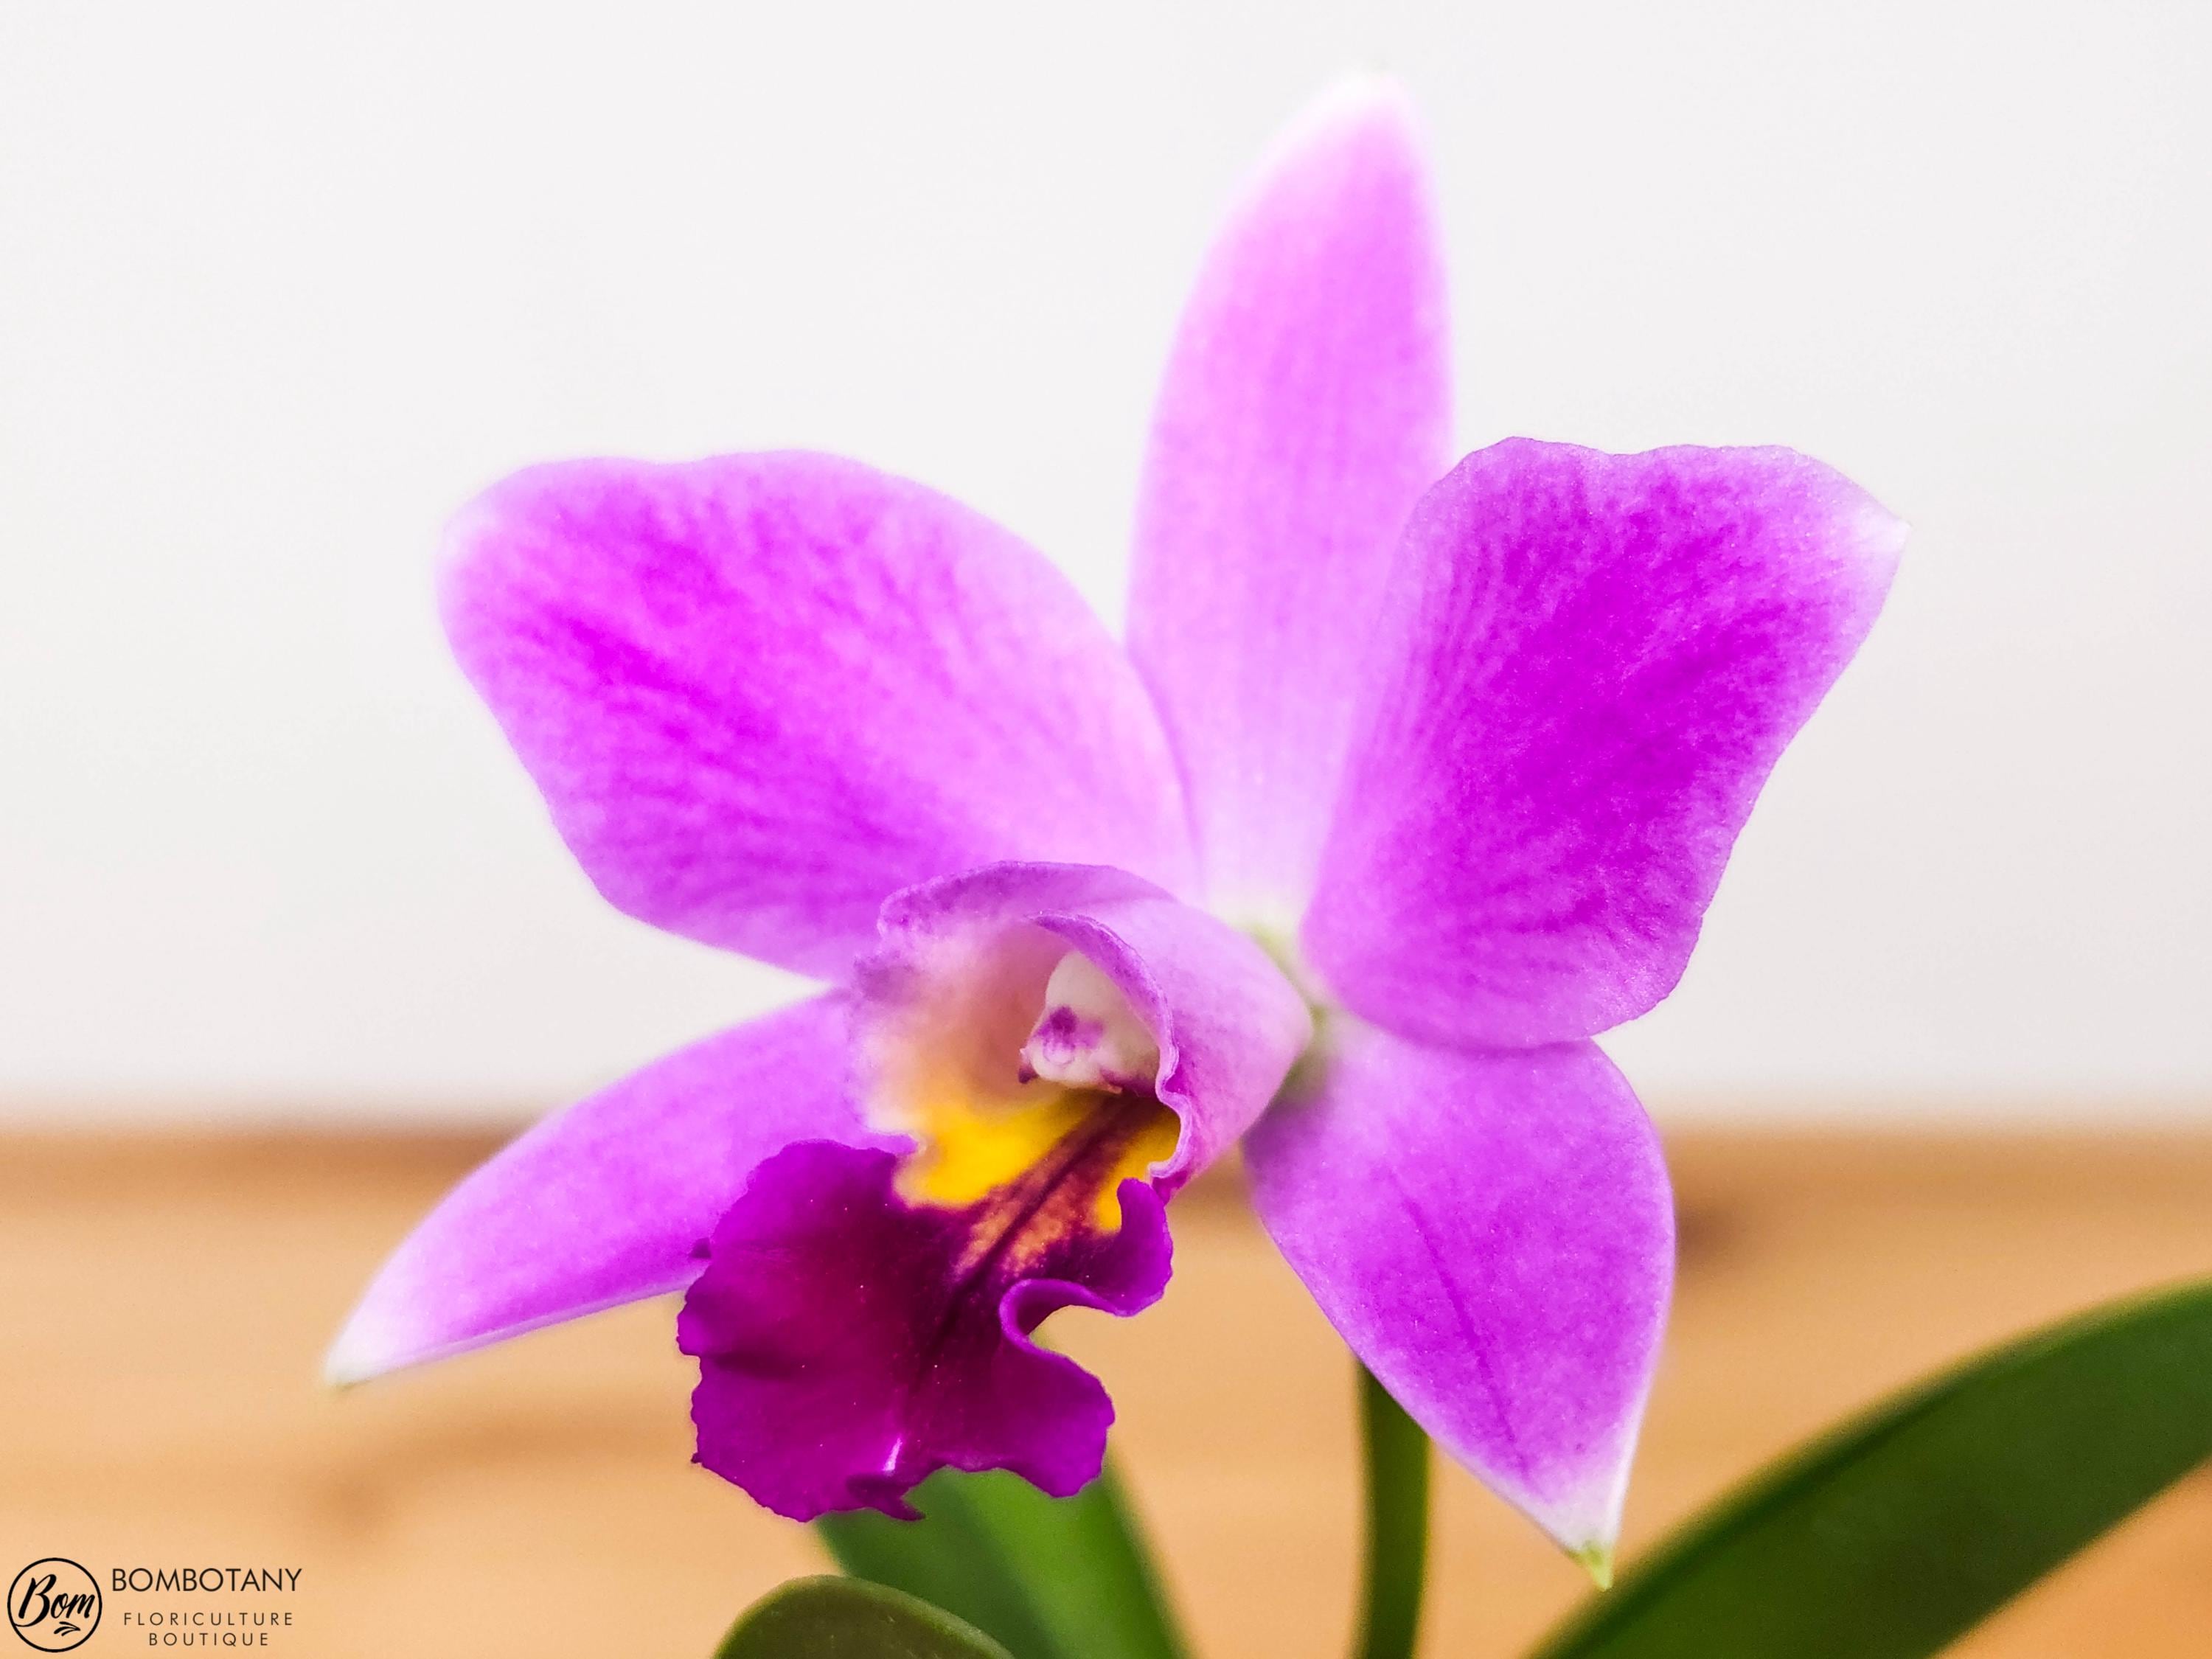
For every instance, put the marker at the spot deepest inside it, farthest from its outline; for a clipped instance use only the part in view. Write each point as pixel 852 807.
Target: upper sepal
pixel 1305 405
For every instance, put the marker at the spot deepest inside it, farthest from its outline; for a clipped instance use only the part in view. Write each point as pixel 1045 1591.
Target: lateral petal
pixel 1586 668
pixel 761 693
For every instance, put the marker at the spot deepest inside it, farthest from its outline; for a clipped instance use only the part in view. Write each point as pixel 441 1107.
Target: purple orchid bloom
pixel 1413 779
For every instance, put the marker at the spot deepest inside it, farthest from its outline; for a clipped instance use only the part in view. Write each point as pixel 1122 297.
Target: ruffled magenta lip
pixel 851 1343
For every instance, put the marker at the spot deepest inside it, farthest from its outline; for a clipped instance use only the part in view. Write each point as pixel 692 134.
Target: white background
pixel 280 286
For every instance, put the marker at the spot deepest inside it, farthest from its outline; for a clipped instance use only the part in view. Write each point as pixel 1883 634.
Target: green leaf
pixel 1898 1532
pixel 1396 1456
pixel 847 1619
pixel 1051 1579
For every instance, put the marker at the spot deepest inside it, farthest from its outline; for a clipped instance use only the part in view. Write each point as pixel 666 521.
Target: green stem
pixel 1397 1459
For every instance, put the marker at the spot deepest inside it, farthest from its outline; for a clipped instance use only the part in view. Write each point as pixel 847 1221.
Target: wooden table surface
pixel 164 1300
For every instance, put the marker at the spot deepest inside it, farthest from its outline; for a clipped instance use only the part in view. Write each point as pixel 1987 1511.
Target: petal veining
pixel 1586 667
pixel 1305 407
pixel 760 693
pixel 604 1202
pixel 1492 1235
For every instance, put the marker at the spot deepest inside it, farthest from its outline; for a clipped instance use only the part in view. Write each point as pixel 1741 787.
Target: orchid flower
pixel 1412 778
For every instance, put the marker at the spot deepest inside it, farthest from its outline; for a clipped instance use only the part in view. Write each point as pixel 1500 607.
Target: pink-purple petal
pixel 1305 407
pixel 606 1202
pixel 760 693
pixel 851 1343
pixel 1492 1235
pixel 1587 665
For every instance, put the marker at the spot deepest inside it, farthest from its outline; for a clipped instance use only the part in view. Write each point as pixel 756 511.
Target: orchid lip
pixel 864 1317
pixel 1060 1047
pixel 851 1342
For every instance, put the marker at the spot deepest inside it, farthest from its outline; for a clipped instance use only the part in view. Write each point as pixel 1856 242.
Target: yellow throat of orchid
pixel 1026 1078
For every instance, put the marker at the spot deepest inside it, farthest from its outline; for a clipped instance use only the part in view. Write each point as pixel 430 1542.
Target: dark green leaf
pixel 847 1619
pixel 1898 1532
pixel 1051 1579
pixel 946 1557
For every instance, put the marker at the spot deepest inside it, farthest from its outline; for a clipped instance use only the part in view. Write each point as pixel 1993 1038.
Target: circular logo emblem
pixel 54 1604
